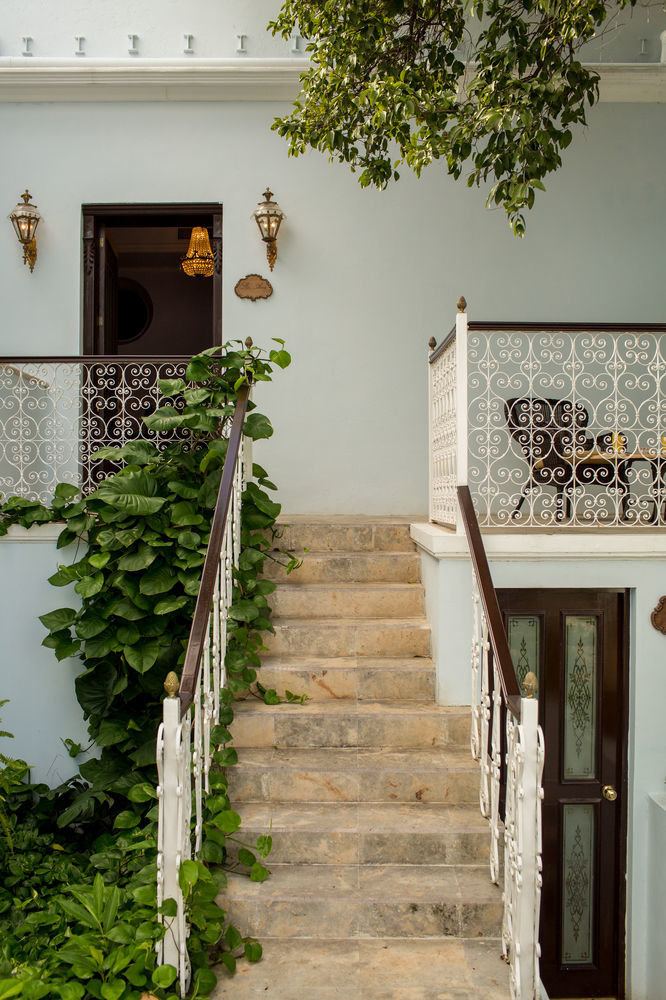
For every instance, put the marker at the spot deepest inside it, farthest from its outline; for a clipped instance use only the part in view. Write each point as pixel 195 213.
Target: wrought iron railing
pixel 192 707
pixel 55 413
pixel 497 704
pixel 550 425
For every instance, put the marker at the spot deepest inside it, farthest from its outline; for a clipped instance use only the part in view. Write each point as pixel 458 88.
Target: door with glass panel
pixel 575 642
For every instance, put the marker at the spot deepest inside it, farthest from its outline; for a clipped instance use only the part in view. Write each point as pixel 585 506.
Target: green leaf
pixel 126 820
pixel 246 857
pixel 258 873
pixel 90 585
pixel 88 626
pixel 227 821
pixel 141 792
pixel 124 608
pixel 94 688
pixel 170 604
pixel 111 732
pixel 257 426
pixel 253 950
pixel 141 657
pixel 188 875
pixel 229 962
pixel 164 976
pixel 113 990
pixel 55 620
pixel 159 580
pixel 70 991
pixel 171 386
pixel 99 647
pixel 133 493
pixel 128 634
pixel 164 419
pixel 264 845
pixel 280 358
pixel 141 559
pixel 169 908
pixel 185 513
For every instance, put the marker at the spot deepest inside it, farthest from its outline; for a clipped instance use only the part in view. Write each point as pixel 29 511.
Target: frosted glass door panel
pixel 578 884
pixel 580 710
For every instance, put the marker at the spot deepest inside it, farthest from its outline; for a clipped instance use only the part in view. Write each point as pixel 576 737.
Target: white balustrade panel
pixel 520 846
pixel 443 437
pixel 185 753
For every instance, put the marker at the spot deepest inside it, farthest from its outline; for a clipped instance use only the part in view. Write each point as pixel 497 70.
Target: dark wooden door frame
pixel 98 216
pixel 621 697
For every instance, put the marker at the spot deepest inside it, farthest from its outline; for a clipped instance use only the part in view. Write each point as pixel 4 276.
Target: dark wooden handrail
pixel 56 359
pixel 199 630
pixel 496 631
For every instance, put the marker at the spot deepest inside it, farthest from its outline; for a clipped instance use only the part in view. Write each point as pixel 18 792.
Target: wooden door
pixel 107 295
pixel 575 641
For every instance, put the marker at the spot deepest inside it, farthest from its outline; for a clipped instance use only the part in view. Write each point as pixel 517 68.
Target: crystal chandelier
pixel 198 261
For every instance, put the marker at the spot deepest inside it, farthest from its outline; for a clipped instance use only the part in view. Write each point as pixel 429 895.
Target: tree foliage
pixel 489 86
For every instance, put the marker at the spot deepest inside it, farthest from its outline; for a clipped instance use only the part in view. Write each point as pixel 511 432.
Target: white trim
pixel 153 80
pixel 192 79
pixel 36 533
pixel 443 543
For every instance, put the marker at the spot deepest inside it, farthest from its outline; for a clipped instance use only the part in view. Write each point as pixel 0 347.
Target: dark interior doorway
pixel 136 299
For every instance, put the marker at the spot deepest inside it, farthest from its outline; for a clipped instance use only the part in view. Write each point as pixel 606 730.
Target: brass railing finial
pixel 432 343
pixel 462 304
pixel 531 685
pixel 171 684
pixel 248 342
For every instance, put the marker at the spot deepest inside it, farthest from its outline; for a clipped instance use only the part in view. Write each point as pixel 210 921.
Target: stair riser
pixel 353 640
pixel 254 785
pixel 350 602
pixel 349 847
pixel 269 730
pixel 335 918
pixel 401 685
pixel 346 538
pixel 394 568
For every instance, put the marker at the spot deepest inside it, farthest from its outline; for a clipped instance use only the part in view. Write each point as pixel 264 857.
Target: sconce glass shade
pixel 268 216
pixel 198 262
pixel 25 219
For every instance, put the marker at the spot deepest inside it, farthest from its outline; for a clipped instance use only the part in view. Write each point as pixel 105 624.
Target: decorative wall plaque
pixel 253 287
pixel 658 616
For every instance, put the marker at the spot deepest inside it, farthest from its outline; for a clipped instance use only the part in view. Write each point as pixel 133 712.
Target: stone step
pixel 351 600
pixel 368 833
pixel 349 567
pixel 354 775
pixel 371 969
pixel 350 636
pixel 353 534
pixel 349 724
pixel 364 677
pixel 366 901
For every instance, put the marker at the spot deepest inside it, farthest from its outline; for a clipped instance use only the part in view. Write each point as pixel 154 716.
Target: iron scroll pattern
pixel 54 416
pixel 567 427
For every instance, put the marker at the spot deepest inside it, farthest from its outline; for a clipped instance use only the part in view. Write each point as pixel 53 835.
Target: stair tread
pixel 411 760
pixel 304 968
pixel 391 817
pixel 341 707
pixel 435 883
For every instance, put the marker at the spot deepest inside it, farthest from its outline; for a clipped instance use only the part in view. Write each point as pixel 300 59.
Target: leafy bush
pixel 78 904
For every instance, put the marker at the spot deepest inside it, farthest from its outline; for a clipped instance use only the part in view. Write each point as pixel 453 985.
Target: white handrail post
pixel 431 426
pixel 461 403
pixel 169 791
pixel 529 850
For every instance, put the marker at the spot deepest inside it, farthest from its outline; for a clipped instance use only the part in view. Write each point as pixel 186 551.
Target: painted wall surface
pixel 656 973
pixel 363 278
pixel 631 36
pixel 450 613
pixel 42 709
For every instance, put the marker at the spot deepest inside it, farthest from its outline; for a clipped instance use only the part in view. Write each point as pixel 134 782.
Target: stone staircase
pixel 379 885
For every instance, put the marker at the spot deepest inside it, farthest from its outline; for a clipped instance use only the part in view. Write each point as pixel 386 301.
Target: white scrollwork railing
pixel 192 709
pixel 520 773
pixel 55 414
pixel 559 427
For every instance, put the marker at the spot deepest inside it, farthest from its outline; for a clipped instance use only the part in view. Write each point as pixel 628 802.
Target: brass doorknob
pixel 609 793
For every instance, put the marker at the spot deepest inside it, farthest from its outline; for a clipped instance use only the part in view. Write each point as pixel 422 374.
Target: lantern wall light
pixel 25 219
pixel 268 216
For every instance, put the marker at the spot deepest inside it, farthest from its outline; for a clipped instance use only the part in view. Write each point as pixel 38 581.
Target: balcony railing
pixel 55 413
pixel 549 425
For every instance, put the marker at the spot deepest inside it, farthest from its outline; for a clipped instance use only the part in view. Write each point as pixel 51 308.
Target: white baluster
pixel 495 772
pixel 476 662
pixel 485 719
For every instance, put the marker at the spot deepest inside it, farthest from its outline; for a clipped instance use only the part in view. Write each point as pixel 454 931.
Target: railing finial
pixel 432 343
pixel 462 304
pixel 171 684
pixel 248 342
pixel 531 685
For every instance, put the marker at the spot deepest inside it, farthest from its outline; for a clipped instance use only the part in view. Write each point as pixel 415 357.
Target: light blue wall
pixel 42 709
pixel 363 278
pixel 448 603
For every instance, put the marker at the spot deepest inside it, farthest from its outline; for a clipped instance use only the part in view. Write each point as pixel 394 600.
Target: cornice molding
pixel 57 80
pixel 102 80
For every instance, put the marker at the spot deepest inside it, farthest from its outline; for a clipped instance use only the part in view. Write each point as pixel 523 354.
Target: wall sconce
pixel 269 215
pixel 198 262
pixel 25 219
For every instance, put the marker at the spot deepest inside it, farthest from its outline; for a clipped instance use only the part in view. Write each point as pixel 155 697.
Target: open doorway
pixel 136 299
